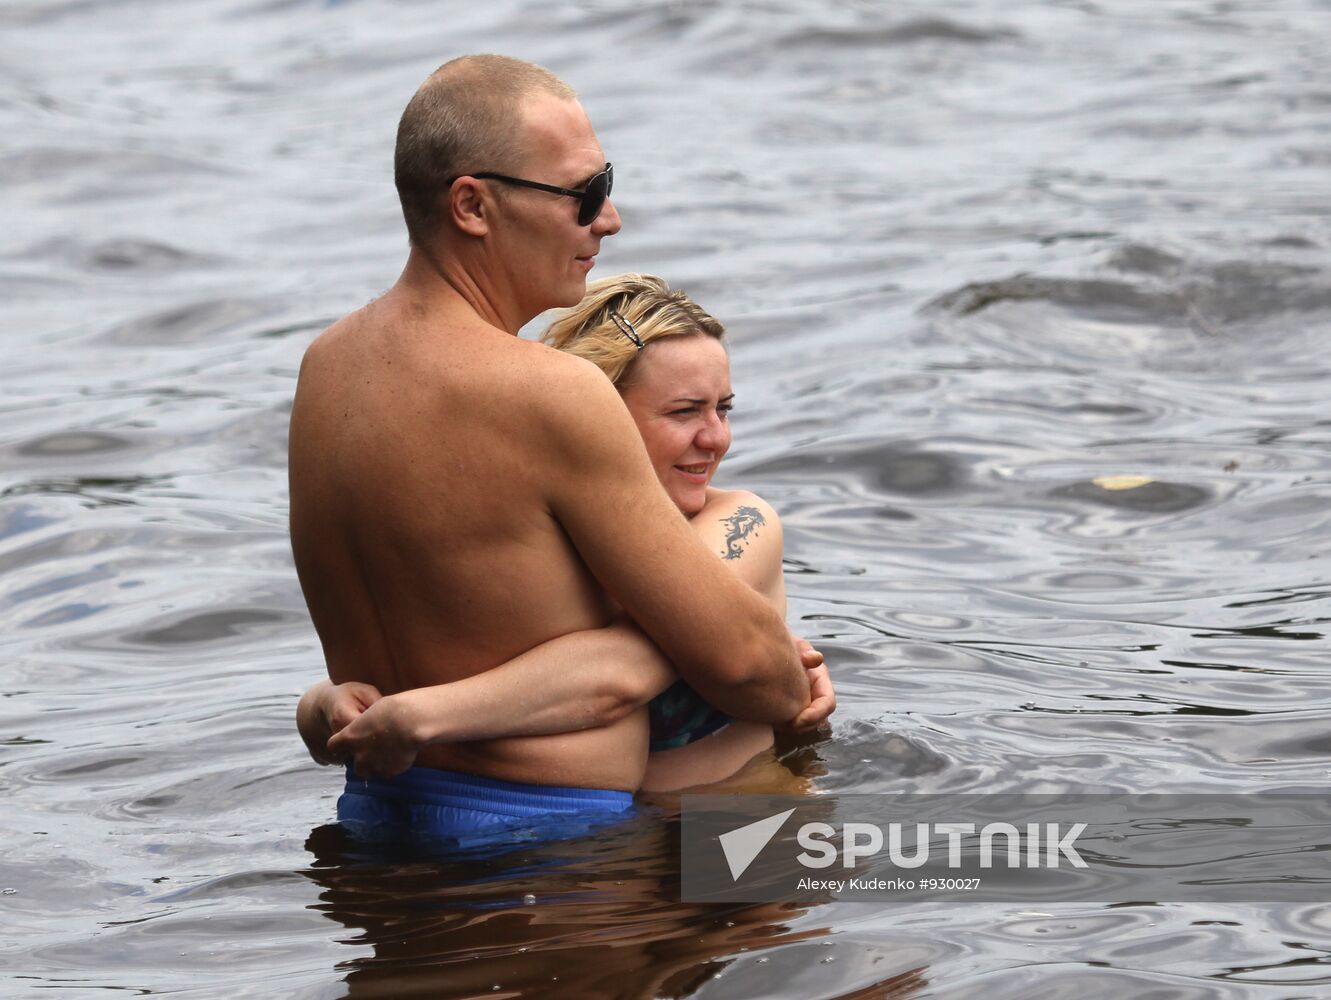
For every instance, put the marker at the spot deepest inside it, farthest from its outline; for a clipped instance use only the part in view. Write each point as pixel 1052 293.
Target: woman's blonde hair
pixel 652 309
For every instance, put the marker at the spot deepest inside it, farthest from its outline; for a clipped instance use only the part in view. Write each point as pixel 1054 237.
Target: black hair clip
pixel 627 329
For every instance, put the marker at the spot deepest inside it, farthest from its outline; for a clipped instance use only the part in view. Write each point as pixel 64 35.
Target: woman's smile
pixel 680 399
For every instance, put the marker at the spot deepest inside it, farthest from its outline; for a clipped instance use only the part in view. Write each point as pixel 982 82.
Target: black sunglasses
pixel 593 196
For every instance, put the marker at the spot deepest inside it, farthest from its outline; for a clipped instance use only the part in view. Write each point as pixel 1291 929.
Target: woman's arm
pixel 744 530
pixel 582 680
pixel 745 533
pixel 578 681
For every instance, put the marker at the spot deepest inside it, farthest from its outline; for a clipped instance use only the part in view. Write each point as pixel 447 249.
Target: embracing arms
pixel 527 696
pixel 576 681
pixel 726 639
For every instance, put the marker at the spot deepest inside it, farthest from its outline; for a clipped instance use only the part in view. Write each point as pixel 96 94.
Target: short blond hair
pixel 465 118
pixel 647 303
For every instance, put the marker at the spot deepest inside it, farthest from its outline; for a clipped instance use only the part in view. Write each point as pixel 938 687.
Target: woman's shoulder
pixel 735 520
pixel 726 503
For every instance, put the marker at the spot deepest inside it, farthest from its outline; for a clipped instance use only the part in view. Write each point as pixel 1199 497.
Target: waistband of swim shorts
pixel 472 791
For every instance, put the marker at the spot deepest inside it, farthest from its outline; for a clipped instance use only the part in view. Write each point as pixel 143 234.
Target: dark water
pixel 1028 304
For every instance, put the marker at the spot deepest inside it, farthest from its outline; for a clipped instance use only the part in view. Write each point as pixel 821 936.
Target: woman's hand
pixel 326 708
pixel 344 703
pixel 381 740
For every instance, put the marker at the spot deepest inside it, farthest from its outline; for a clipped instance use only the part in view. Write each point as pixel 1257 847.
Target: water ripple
pixel 1028 311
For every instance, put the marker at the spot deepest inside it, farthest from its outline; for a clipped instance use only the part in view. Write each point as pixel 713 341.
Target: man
pixel 459 495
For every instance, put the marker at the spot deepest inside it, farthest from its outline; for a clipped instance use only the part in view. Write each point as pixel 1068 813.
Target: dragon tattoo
pixel 739 527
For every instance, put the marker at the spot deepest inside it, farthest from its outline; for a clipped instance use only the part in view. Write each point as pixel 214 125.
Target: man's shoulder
pixel 334 339
pixel 547 358
pixel 565 382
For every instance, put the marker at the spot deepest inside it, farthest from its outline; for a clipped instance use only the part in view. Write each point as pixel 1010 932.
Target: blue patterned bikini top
pixel 679 716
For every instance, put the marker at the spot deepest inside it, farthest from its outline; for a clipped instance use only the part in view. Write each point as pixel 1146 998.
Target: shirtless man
pixel 459 495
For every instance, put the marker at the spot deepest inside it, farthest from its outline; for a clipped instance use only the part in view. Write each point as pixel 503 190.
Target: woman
pixel 666 357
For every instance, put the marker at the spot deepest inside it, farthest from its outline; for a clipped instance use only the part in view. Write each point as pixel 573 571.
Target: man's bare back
pixel 459 495
pixel 422 526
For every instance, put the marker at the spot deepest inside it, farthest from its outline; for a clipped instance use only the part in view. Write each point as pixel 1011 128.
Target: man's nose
pixel 608 222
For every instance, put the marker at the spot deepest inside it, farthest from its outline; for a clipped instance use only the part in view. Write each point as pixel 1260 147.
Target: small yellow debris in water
pixel 1121 482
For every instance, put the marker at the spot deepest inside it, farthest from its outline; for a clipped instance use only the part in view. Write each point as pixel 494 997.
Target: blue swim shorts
pixel 428 807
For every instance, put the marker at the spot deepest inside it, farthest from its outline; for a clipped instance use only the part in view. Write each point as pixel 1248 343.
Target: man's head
pixel 493 157
pixel 465 117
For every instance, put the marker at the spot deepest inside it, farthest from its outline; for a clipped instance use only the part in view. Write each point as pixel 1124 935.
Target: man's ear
pixel 468 203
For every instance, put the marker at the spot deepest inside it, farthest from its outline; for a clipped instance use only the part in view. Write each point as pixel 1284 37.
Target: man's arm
pixel 744 530
pixel 576 681
pixel 822 696
pixel 725 638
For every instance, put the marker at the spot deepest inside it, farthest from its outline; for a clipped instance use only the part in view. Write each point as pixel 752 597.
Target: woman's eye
pixel 724 409
pixel 684 412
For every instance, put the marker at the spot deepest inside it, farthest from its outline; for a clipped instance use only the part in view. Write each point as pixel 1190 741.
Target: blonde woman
pixel 667 358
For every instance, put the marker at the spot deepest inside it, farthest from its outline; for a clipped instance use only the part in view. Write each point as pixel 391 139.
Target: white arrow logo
pixel 746 843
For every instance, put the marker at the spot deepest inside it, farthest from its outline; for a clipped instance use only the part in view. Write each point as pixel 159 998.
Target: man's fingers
pixel 822 696
pixel 819 710
pixel 822 699
pixel 810 719
pixel 814 715
pixel 809 656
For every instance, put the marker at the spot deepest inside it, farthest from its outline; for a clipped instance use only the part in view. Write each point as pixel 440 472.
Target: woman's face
pixel 680 399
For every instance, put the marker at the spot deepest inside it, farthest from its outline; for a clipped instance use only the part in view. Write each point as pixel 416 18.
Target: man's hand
pixel 822 697
pixel 380 739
